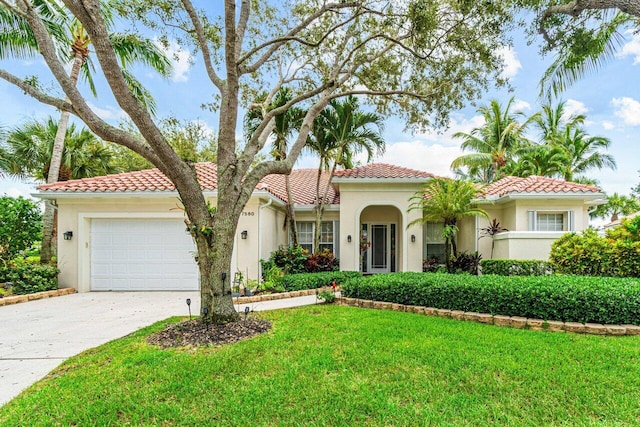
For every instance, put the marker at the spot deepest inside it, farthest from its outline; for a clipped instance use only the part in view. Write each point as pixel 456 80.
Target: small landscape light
pixel 244 234
pixel 189 305
pixel 205 312
pixel 413 238
pixel 246 313
pixel 67 235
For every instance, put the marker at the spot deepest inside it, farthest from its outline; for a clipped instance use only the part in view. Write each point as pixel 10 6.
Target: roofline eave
pixel 594 197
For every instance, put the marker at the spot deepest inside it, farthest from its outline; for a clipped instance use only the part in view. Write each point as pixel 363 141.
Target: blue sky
pixel 610 99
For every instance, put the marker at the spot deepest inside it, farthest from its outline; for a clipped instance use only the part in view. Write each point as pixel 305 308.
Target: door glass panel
pixel 379 246
pixel 393 248
pixel 364 247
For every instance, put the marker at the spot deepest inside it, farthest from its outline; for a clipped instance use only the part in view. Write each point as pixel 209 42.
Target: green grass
pixel 331 365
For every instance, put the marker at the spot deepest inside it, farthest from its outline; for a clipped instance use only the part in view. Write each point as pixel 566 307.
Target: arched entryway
pixel 380 239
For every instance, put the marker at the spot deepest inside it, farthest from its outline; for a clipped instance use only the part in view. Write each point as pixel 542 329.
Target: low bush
pixel 564 298
pixel 298 282
pixel 30 277
pixel 466 263
pixel 294 260
pixel 616 255
pixel 516 267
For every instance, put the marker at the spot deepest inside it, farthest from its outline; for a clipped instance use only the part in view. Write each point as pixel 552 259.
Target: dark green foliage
pixel 290 259
pixel 28 276
pixel 516 267
pixel 564 298
pixel 294 260
pixel 466 262
pixel 298 282
pixel 19 226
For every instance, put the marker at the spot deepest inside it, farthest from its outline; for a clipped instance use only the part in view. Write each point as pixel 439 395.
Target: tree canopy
pixel 415 59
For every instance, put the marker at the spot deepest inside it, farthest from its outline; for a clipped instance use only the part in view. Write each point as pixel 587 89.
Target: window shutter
pixel 571 220
pixel 532 220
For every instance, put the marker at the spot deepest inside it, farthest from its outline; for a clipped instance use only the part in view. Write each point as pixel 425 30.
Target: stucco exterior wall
pixel 383 202
pixel 525 244
pixel 76 214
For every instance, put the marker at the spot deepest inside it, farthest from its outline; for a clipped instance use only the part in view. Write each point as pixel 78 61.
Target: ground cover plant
pixel 332 365
pixel 566 298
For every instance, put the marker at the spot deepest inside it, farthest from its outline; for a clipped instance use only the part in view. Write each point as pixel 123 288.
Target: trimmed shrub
pixel 564 298
pixel 28 278
pixel 516 267
pixel 298 282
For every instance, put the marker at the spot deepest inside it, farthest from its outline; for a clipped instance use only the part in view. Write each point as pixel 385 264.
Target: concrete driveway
pixel 39 335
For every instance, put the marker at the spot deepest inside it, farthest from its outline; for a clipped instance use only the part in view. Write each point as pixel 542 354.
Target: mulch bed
pixel 195 333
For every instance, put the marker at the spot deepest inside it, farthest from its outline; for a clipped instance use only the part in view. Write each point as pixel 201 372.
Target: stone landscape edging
pixel 15 299
pixel 498 320
pixel 281 295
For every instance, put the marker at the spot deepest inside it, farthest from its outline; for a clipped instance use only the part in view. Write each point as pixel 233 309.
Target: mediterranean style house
pixel 127 232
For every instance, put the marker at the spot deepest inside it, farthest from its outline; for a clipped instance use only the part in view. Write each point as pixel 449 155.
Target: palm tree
pixel 493 144
pixel 584 153
pixel 616 205
pixel 541 160
pixel 584 54
pixel 20 42
pixel 446 200
pixel 30 149
pixel 340 132
pixel 285 126
pixel 552 123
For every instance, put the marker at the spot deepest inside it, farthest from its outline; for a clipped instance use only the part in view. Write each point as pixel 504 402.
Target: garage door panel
pixel 142 254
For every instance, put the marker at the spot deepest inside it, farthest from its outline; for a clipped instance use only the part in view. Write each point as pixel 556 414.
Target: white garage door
pixel 142 255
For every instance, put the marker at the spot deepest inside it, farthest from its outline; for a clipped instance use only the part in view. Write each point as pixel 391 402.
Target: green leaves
pixel 19 226
pixel 564 298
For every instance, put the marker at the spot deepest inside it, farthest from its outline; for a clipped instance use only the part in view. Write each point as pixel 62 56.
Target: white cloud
pixel 628 109
pixel 632 48
pixel 181 60
pixel 520 105
pixel 573 107
pixel 511 63
pixel 608 125
pixel 434 158
pixel 108 112
pixel 457 123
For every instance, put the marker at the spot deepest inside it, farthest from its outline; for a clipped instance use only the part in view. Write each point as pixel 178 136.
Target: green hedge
pixel 29 278
pixel 516 267
pixel 301 281
pixel 565 298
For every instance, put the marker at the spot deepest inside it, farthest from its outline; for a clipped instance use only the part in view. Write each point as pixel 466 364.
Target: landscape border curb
pixel 16 299
pixel 498 320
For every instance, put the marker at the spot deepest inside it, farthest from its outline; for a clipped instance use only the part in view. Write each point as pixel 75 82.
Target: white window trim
pixel 568 224
pixel 336 231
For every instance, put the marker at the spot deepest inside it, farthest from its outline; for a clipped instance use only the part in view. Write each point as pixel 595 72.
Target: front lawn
pixel 331 365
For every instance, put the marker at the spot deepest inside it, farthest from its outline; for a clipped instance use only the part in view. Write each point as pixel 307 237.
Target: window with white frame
pixel 433 242
pixel 328 231
pixel 551 220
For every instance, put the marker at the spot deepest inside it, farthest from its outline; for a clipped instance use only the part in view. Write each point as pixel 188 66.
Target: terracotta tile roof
pixel 144 180
pixel 303 186
pixel 536 184
pixel 303 182
pixel 382 170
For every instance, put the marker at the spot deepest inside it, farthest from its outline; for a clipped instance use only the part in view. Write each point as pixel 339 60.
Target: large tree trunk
pixel 214 263
pixel 48 218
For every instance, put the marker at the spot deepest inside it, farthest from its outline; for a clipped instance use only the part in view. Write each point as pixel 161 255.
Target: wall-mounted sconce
pixel 244 234
pixel 413 238
pixel 67 235
pixel 349 238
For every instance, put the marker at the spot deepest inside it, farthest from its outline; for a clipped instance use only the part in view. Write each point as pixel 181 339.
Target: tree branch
pixel 202 41
pixel 275 44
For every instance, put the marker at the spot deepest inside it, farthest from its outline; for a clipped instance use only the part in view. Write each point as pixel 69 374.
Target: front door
pixel 378 254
